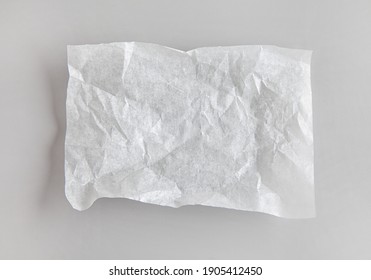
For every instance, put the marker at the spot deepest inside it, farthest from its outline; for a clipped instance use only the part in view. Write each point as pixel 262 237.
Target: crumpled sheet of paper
pixel 219 126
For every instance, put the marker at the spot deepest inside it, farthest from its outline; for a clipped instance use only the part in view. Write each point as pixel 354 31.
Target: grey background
pixel 36 221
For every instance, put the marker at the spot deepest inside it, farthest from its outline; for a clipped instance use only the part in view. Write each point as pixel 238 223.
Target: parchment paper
pixel 218 126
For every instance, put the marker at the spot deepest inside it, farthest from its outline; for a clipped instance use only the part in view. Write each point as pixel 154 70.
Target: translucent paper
pixel 218 126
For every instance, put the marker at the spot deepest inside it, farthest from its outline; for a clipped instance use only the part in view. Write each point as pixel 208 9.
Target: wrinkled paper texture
pixel 218 126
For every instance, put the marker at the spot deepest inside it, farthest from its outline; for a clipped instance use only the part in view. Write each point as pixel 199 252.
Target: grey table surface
pixel 37 222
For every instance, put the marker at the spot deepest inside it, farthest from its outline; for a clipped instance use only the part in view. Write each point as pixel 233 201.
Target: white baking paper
pixel 219 126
